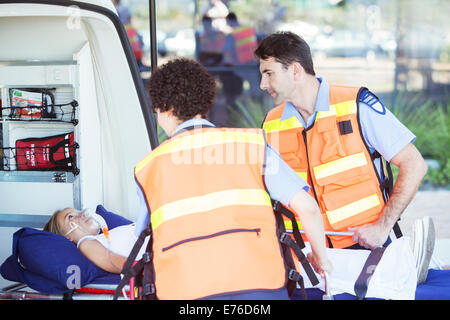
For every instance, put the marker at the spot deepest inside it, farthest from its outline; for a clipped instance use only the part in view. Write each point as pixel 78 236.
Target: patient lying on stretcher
pixel 108 250
pixel 395 276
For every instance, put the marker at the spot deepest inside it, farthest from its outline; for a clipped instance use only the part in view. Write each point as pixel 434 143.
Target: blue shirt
pixel 381 130
pixel 281 181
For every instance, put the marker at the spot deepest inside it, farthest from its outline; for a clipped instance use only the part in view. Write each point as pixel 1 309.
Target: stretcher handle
pixel 335 233
pixel 327 295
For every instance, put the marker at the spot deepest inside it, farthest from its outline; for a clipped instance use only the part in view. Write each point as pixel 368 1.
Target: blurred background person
pixel 217 11
pixel 210 44
pixel 240 42
pixel 134 37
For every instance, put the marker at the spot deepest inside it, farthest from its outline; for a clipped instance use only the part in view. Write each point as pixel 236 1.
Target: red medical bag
pixel 47 153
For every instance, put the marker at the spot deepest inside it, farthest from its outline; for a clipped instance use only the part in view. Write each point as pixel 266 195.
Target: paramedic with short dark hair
pixel 334 137
pixel 203 193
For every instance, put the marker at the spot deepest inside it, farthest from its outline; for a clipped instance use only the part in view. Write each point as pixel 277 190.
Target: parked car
pixel 181 42
pixel 160 41
pixel 344 43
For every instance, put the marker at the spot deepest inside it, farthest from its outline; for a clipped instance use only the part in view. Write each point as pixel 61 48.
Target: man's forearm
pixel 311 219
pixel 412 169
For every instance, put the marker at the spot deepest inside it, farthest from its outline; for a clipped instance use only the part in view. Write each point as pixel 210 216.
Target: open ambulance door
pixel 77 57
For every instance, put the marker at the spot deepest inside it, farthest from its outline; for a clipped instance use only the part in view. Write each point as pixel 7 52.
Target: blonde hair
pixel 52 225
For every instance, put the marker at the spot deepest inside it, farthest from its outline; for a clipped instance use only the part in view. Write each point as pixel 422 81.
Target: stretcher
pixel 21 291
pixel 47 266
pixel 37 273
pixel 436 287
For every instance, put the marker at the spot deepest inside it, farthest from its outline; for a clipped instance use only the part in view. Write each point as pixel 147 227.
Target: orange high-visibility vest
pixel 332 157
pixel 134 41
pixel 245 43
pixel 214 229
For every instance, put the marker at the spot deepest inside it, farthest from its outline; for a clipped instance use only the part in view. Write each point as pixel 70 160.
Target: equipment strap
pixel 55 149
pixel 390 188
pixel 366 274
pixel 129 271
pixel 287 240
pixel 387 186
pixel 132 272
pixel 390 183
pixel 296 245
pixel 148 281
pixel 278 207
pixel 289 245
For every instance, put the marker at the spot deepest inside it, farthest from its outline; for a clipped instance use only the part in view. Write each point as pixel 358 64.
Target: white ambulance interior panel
pixel 72 62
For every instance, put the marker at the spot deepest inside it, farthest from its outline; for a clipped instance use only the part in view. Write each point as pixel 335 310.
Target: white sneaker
pixel 423 246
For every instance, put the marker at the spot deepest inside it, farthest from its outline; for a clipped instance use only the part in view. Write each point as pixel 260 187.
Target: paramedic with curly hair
pixel 206 195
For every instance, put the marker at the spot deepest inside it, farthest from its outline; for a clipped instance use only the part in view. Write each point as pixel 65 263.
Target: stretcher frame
pixel 21 291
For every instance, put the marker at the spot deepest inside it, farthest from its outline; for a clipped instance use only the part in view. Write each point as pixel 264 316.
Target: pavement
pixel 436 204
pixel 433 203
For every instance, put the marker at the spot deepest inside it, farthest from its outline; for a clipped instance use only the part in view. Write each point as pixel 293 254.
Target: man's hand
pixel 371 235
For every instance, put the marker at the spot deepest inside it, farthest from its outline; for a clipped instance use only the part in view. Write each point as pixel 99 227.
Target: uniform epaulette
pixel 372 101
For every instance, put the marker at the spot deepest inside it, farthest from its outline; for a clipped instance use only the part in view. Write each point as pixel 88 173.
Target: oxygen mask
pixel 99 220
pixel 89 222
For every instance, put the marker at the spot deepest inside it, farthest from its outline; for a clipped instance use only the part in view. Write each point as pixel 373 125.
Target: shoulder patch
pixel 372 101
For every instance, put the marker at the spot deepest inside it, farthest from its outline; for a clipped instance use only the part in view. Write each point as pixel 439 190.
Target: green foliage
pixel 430 122
pixel 440 177
pixel 162 136
pixel 250 114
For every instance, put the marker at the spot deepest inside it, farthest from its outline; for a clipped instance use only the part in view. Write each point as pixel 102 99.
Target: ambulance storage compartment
pixel 35 111
pixel 75 118
pixel 38 141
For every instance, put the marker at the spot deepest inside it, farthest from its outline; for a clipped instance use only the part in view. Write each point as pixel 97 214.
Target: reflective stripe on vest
pixel 205 139
pixel 333 167
pixel 245 43
pixel 303 175
pixel 339 110
pixel 352 209
pixel 281 125
pixel 344 179
pixel 209 202
pixel 214 229
pixel 288 225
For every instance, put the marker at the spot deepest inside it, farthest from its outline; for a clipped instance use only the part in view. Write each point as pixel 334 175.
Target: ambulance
pixel 75 118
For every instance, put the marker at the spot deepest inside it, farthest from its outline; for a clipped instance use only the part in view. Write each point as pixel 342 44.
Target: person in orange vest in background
pixel 135 41
pixel 238 50
pixel 133 35
pixel 240 43
pixel 210 44
pixel 206 196
pixel 335 137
